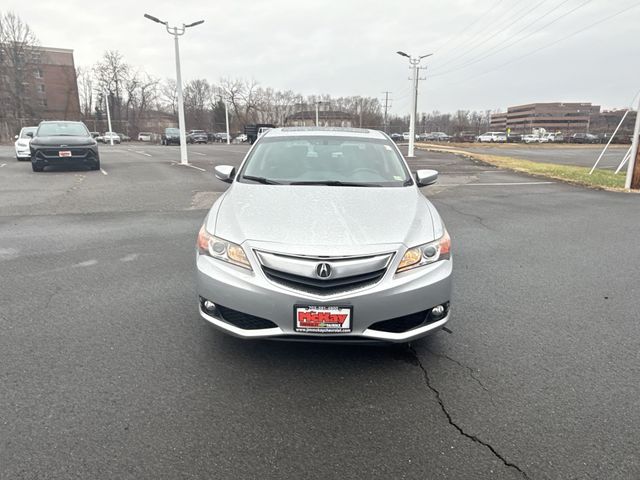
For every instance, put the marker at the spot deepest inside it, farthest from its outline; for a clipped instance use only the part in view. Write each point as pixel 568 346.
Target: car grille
pixel 323 287
pixel 244 320
pixel 48 153
pixel 346 274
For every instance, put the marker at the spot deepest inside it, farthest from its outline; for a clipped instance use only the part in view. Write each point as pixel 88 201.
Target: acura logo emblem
pixel 323 270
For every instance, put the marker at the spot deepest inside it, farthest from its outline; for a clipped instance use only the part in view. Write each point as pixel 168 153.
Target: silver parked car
pixel 324 235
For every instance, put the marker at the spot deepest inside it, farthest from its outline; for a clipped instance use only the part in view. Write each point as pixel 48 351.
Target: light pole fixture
pixel 318 102
pixel 226 115
pixel 415 65
pixel 177 32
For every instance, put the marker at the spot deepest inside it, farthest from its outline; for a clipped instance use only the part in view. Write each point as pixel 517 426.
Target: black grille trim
pixel 244 320
pixel 320 286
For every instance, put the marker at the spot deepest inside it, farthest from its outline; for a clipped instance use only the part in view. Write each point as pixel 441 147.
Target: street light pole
pixel 226 114
pixel 633 169
pixel 415 65
pixel 106 100
pixel 177 32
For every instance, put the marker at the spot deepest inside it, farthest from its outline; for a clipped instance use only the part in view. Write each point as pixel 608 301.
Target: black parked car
pixel 197 136
pixel 63 143
pixel 171 136
pixel 583 138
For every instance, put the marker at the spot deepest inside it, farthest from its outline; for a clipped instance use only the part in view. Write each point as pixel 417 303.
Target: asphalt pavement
pixel 580 155
pixel 107 371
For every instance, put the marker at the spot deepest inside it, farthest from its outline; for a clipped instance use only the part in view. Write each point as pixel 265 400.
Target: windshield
pixel 172 131
pixel 24 131
pixel 65 129
pixel 326 160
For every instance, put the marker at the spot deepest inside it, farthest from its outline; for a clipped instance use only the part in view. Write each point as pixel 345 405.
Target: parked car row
pixel 502 137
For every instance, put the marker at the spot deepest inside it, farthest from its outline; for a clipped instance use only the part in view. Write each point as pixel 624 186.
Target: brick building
pixel 568 118
pixel 47 89
pixel 498 122
pixel 326 118
pixel 55 85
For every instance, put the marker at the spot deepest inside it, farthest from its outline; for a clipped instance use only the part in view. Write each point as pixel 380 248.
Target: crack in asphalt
pixel 466 367
pixel 477 218
pixel 474 438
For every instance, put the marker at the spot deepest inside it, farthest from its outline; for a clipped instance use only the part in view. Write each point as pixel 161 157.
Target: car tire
pixel 37 168
pixel 95 166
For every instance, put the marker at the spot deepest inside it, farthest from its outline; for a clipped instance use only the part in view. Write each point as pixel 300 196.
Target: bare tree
pixel 19 59
pixel 85 90
pixel 169 95
pixel 110 75
pixel 197 99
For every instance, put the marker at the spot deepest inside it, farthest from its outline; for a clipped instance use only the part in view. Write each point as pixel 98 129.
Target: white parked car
pixel 241 138
pixel 499 137
pixel 406 136
pixel 145 136
pixel 108 136
pixel 22 143
pixel 530 138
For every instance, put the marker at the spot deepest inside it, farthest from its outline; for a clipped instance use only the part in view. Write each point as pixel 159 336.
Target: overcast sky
pixel 481 60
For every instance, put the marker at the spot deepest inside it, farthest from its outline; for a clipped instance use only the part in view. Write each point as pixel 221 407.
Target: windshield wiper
pixel 336 183
pixel 264 180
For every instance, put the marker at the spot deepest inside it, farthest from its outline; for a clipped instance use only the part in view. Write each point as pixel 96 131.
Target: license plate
pixel 64 153
pixel 322 319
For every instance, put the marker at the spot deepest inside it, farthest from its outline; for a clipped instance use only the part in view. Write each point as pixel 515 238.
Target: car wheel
pixel 37 168
pixel 96 166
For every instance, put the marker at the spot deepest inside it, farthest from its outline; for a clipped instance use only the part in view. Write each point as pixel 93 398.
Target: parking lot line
pixel 2 165
pixel 191 166
pixel 139 152
pixel 104 172
pixel 499 184
pixel 198 153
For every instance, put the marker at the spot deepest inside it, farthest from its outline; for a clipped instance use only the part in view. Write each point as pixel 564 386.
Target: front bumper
pixel 395 297
pixel 49 156
pixel 23 152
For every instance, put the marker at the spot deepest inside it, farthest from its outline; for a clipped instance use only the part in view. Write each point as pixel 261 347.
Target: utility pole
pixel 386 107
pixel 633 170
pixel 415 65
pixel 361 105
pixel 226 114
pixel 106 101
pixel 177 32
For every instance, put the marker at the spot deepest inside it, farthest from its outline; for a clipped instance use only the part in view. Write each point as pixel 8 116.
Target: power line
pixel 536 20
pixel 468 27
pixel 555 42
pixel 503 28
pixel 494 52
pixel 495 21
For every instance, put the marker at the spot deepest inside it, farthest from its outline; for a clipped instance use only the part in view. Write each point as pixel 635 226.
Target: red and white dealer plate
pixel 322 319
pixel 64 153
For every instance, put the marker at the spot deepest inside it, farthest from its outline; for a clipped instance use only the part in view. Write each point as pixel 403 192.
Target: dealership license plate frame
pixel 64 153
pixel 323 330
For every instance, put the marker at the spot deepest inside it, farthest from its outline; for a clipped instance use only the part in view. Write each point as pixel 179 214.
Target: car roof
pixel 60 121
pixel 323 132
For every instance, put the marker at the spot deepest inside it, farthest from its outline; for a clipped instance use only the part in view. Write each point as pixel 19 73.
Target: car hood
pixel 323 216
pixel 61 140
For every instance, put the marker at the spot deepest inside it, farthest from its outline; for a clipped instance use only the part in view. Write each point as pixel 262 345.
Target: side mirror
pixel 30 134
pixel 426 177
pixel 224 172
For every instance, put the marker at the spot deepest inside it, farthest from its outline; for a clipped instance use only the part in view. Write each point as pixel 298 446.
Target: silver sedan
pixel 324 235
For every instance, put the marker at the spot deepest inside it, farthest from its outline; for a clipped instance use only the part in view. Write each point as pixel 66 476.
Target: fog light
pixel 209 306
pixel 438 311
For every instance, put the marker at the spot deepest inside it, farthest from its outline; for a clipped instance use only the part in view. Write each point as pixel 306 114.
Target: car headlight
pixel 220 249
pixel 426 254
